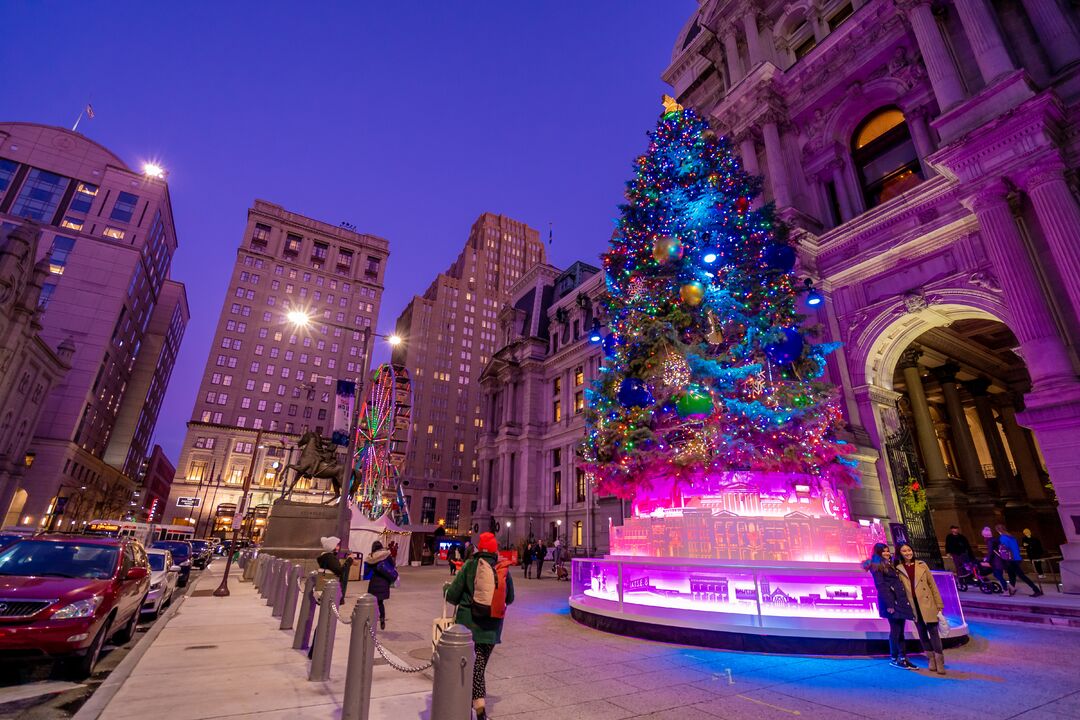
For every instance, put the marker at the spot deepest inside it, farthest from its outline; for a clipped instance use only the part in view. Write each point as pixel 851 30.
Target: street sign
pixel 188 502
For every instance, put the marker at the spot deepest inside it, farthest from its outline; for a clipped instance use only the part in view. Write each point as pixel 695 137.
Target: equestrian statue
pixel 318 459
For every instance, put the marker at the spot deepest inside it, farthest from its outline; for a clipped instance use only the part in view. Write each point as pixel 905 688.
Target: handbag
pixel 943 625
pixel 442 623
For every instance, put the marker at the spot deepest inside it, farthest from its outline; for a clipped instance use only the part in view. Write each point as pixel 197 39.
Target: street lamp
pixel 302 319
pixel 506 536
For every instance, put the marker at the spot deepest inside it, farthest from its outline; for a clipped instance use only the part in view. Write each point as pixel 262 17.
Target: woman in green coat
pixel 486 632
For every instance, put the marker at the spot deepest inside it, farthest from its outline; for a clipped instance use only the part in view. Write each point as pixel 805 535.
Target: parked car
pixel 164 574
pixel 203 553
pixel 63 596
pixel 182 554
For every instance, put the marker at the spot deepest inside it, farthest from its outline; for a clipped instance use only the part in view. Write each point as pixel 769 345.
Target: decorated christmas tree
pixel 712 382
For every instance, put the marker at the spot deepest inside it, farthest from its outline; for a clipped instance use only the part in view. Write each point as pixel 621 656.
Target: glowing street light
pixel 298 318
pixel 153 170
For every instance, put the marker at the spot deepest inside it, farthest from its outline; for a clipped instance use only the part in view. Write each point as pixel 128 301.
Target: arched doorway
pixel 949 388
pixel 18 501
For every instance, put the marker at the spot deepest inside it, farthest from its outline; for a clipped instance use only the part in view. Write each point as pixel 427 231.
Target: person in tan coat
pixel 923 594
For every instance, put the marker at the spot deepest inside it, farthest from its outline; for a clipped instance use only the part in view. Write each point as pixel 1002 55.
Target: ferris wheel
pixel 382 434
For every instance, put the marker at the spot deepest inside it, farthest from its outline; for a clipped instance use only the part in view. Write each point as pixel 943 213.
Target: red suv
pixel 63 596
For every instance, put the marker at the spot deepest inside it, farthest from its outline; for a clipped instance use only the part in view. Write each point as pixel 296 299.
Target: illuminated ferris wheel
pixel 382 433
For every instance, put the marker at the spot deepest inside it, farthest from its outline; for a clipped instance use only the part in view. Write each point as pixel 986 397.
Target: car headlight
pixel 78 609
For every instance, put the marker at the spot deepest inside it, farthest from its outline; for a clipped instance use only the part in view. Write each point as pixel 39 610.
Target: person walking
pixel 958 547
pixel 381 573
pixel 328 560
pixel 924 598
pixel 541 555
pixel 893 604
pixel 1034 550
pixel 453 558
pixel 993 559
pixel 486 630
pixel 1008 549
pixel 527 556
pixel 468 550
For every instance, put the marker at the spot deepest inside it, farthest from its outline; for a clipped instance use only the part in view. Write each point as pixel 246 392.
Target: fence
pixel 283 586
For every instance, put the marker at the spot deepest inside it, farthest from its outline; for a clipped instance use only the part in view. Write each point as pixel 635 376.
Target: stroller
pixel 561 573
pixel 976 574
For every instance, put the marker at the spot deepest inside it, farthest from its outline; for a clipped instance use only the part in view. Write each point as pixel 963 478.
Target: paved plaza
pixel 224 658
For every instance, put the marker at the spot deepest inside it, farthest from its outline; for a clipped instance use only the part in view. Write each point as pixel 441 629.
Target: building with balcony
pixel 925 153
pixel 267 374
pixel 108 233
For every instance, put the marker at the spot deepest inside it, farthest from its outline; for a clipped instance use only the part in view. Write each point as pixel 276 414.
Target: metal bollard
pixel 274 578
pixel 302 636
pixel 451 691
pixel 290 593
pixel 323 650
pixel 249 567
pixel 278 595
pixel 357 701
pixel 268 579
pixel 260 577
pixel 260 570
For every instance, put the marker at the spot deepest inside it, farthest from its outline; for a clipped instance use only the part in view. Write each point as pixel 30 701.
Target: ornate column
pixel 1008 485
pixel 940 68
pixel 1029 312
pixel 977 17
pixel 1055 32
pixel 936 475
pixel 920 135
pixel 968 460
pixel 753 37
pixel 1059 218
pixel 748 151
pixel 1020 449
pixel 840 184
pixel 731 54
pixel 774 160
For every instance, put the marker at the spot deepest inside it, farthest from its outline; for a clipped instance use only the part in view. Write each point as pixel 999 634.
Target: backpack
pixel 489 591
pixel 1003 551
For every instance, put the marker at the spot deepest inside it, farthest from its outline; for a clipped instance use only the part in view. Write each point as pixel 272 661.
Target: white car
pixel 163 577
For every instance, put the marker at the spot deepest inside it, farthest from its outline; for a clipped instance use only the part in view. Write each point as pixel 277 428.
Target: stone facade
pixel 533 402
pixel 29 368
pixel 925 154
pixel 264 372
pixel 449 334
pixel 109 235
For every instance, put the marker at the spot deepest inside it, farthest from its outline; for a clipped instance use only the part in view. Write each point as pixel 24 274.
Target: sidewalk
pixel 225 658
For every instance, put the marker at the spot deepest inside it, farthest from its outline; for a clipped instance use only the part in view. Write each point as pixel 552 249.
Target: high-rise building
pixel 449 334
pixel 265 372
pixel 109 235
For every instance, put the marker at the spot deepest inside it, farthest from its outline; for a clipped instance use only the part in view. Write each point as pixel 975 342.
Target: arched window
pixel 885 156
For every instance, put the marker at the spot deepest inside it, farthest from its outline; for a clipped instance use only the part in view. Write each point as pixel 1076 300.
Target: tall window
pixel 885 157
pixel 292 244
pixel 124 207
pixel 261 235
pixel 581 485
pixel 7 171
pixel 58 256
pixel 453 513
pixel 579 533
pixel 556 411
pixel 39 196
pixel 427 513
pixel 83 197
pixel 197 471
pixel 556 488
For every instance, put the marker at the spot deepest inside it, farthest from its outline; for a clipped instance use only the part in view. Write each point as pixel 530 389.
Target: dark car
pixel 183 555
pixel 63 596
pixel 8 538
pixel 203 553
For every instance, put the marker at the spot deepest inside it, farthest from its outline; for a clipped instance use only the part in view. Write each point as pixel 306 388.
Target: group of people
pixel 1003 555
pixel 379 570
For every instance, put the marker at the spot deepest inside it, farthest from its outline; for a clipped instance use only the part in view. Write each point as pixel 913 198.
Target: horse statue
pixel 318 459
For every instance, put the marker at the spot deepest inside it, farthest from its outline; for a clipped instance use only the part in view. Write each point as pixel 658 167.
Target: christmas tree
pixel 709 376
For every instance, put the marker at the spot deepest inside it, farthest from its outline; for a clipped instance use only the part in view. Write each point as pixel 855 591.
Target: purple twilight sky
pixel 405 119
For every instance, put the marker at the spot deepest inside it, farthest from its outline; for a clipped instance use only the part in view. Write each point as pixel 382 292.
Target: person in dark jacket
pixel 379 567
pixel 541 555
pixel 328 560
pixel 527 557
pixel 893 602
pixel 1034 549
pixel 1009 551
pixel 486 632
pixel 993 559
pixel 957 546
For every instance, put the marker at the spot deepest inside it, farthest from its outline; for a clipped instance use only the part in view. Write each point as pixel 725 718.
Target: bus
pixel 146 533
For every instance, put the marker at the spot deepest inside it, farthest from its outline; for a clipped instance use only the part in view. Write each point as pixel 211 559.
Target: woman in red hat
pixel 484 621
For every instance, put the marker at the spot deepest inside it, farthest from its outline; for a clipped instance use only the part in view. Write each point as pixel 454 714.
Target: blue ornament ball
pixel 634 393
pixel 787 349
pixel 780 258
pixel 611 343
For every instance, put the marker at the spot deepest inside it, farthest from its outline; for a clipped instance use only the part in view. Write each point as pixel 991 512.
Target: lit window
pixel 71 223
pixel 885 157
pixel 39 195
pixel 115 233
pixel 83 198
pixel 58 256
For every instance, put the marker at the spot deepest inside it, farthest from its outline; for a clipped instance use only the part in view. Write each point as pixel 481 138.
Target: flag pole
pixel 78 120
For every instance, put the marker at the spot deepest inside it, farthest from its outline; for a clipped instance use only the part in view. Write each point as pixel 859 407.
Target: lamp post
pixel 301 319
pixel 223 588
pixel 506 535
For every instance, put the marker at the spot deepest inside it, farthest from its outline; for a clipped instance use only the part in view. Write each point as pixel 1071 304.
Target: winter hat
pixel 488 543
pixel 987 532
pixel 329 543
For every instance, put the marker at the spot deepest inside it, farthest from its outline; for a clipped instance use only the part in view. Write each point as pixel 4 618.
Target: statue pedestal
pixel 294 528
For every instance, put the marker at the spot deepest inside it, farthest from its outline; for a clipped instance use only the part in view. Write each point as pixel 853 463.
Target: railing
pixel 283 586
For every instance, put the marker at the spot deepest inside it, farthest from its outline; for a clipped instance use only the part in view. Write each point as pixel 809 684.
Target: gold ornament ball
pixel 708 134
pixel 666 249
pixel 692 293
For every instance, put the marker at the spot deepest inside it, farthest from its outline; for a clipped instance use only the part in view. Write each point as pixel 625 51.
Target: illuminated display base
pixel 788 607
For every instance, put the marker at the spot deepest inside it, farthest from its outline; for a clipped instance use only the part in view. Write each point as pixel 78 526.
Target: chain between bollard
pixel 337 614
pixel 391 663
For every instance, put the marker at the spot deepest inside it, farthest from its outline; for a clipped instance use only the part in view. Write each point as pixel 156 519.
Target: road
pixel 58 697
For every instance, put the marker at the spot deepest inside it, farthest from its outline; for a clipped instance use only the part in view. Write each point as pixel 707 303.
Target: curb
pixel 100 699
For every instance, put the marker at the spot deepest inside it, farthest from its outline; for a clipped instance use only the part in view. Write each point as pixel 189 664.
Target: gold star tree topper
pixel 670 105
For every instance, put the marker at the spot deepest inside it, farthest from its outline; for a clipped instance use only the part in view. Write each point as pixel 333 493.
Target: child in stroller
pixel 977 574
